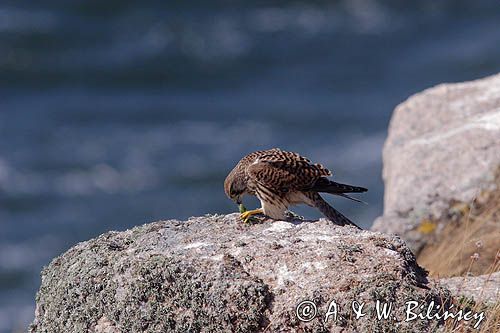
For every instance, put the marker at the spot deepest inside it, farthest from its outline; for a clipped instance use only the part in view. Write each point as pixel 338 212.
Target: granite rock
pixel 482 288
pixel 218 274
pixel 443 146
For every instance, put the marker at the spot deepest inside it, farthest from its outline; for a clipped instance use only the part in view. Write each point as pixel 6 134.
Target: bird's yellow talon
pixel 248 214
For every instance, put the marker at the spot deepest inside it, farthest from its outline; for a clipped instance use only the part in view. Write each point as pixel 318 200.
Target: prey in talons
pixel 247 215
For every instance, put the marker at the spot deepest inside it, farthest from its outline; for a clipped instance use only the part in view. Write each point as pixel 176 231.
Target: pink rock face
pixel 217 274
pixel 443 145
pixel 484 288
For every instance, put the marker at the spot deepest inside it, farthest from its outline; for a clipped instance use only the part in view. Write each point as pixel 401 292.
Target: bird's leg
pixel 246 215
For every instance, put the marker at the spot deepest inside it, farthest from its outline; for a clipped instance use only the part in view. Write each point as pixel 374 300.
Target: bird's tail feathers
pixel 331 213
pixel 329 186
pixel 351 198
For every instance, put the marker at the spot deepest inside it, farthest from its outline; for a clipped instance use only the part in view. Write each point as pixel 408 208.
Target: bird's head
pixel 235 185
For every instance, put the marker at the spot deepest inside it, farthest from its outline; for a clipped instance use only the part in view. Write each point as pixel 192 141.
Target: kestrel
pixel 280 179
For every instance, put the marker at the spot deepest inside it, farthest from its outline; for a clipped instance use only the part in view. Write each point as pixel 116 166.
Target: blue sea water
pixel 115 113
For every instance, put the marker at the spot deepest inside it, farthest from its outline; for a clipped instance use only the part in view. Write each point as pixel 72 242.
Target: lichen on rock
pixel 216 274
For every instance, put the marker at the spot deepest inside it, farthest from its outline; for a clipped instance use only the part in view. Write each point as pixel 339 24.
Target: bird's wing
pixel 282 171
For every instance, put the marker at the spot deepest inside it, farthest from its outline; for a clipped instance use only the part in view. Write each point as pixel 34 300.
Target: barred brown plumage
pixel 280 179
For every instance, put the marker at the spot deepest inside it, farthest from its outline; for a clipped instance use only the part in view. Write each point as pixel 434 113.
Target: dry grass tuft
pixel 469 241
pixel 468 245
pixel 491 322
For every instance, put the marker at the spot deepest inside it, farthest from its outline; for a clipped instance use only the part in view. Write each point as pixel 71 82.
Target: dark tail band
pixel 329 186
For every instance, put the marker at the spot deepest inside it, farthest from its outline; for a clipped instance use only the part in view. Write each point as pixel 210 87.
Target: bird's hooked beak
pixel 238 200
